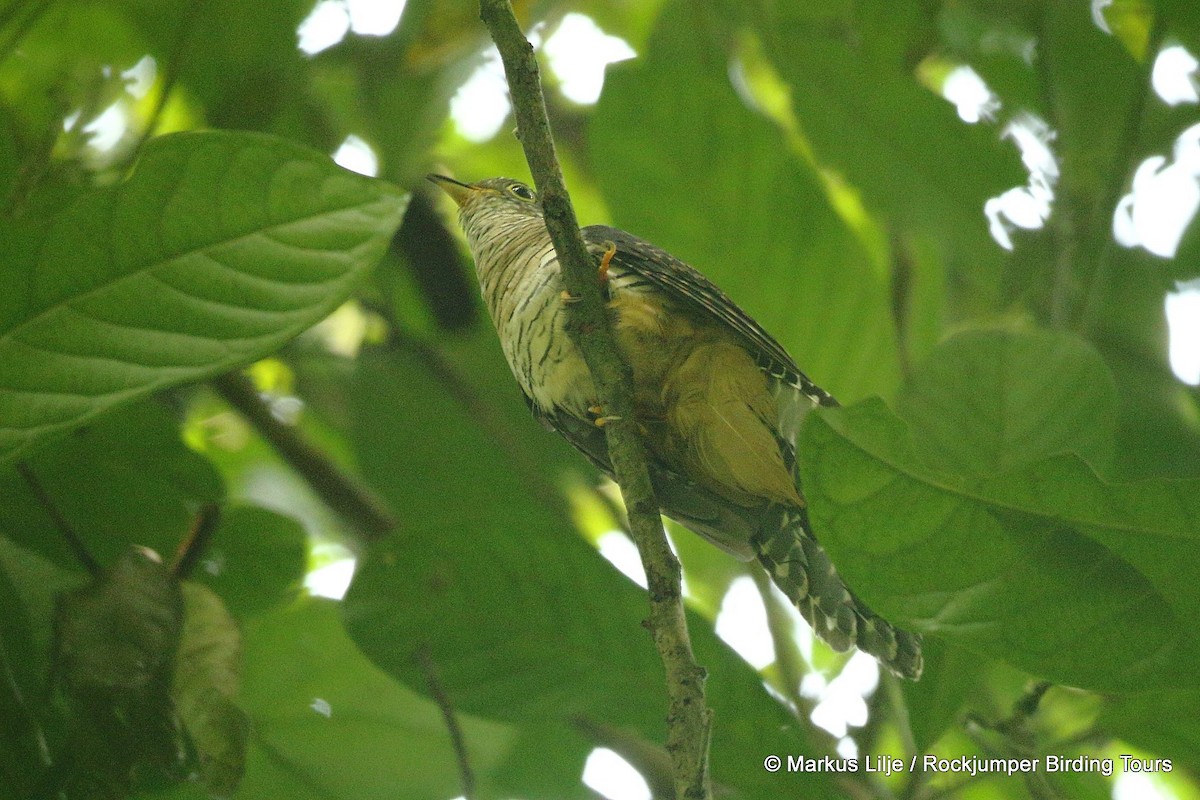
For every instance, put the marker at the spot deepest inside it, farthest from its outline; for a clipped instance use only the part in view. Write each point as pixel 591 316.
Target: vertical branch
pixel 457 740
pixel 689 721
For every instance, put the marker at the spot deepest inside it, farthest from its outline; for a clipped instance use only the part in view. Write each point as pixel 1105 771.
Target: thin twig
pixel 788 660
pixel 353 501
pixel 67 530
pixel 1086 318
pixel 438 692
pixel 196 542
pixel 689 721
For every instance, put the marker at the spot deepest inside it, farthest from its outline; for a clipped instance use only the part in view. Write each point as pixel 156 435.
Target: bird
pixel 717 399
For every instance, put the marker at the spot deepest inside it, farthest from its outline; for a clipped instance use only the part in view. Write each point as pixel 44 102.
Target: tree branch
pixel 689 721
pixel 346 496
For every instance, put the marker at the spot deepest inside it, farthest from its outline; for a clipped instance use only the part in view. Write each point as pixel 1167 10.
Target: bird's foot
pixel 601 419
pixel 610 250
pixel 568 298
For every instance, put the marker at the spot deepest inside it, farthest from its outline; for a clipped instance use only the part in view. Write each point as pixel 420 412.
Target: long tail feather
pixel 802 570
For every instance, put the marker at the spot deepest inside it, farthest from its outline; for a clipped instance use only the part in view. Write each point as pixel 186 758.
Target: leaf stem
pixel 438 692
pixel 689 721
pixel 192 547
pixel 67 530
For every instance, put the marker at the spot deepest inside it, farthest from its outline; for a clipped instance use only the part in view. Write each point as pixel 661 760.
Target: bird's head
pixel 491 198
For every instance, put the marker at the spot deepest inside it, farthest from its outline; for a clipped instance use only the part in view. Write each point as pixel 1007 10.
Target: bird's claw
pixel 610 250
pixel 601 419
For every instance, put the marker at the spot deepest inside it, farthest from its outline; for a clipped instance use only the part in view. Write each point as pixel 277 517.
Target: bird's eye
pixel 521 190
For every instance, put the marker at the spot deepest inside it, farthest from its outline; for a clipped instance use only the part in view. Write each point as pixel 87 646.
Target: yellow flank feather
pixel 704 403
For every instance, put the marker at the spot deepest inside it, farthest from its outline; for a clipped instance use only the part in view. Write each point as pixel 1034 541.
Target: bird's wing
pixel 687 285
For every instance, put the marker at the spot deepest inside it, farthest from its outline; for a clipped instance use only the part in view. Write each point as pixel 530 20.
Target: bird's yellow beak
pixel 457 190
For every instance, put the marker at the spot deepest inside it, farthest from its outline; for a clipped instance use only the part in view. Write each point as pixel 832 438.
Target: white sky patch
pixel 326 25
pixel 140 77
pixel 1139 786
pixel 1026 207
pixel 374 17
pixel 847 748
pixel 841 703
pixel 331 579
pixel 356 155
pixel 106 130
pixel 1183 322
pixel 578 52
pixel 1098 7
pixel 1174 76
pixel 622 553
pixel 614 777
pixel 1164 200
pixel 742 623
pixel 970 95
pixel 481 104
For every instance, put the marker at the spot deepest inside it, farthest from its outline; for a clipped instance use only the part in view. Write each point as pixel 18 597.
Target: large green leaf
pixel 326 723
pixel 525 622
pixel 1044 566
pixel 255 561
pixel 987 401
pixel 685 163
pixel 861 106
pixel 218 249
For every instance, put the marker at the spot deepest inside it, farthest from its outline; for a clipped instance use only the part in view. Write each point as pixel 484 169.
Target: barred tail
pixel 802 570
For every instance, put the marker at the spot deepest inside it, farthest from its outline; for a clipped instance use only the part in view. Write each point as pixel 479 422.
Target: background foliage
pixel 1026 492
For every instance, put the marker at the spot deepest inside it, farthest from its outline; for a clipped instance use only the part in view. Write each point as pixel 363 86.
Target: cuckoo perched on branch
pixel 718 400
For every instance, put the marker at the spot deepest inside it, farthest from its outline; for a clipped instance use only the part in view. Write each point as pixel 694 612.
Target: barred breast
pixel 522 287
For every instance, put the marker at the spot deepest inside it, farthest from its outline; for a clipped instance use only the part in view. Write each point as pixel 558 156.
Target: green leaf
pixel 934 702
pixel 207 676
pixel 35 584
pixel 524 621
pixel 684 163
pixel 1130 22
pixel 1094 81
pixel 988 401
pixel 902 146
pixel 242 61
pixel 218 249
pixel 9 157
pixel 126 479
pixel 256 560
pixel 310 693
pixel 23 669
pixel 1044 566
pixel 1166 723
pixel 115 645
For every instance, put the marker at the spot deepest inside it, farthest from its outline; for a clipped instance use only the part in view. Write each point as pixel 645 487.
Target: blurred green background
pixel 981 212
